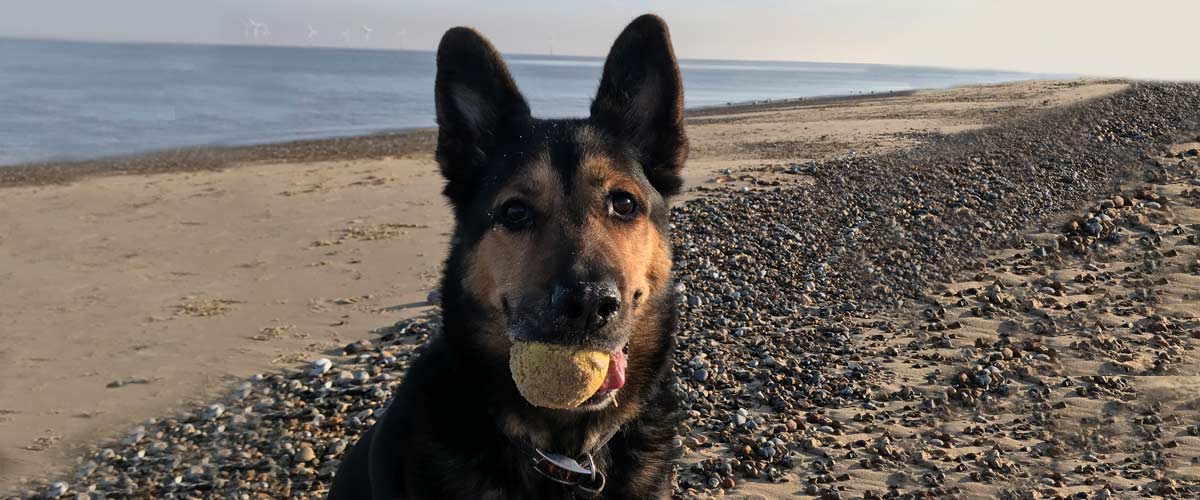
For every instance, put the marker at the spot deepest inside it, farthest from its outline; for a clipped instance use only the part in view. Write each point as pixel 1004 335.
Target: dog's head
pixel 561 225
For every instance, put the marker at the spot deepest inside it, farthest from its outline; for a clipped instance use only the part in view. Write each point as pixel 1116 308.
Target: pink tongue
pixel 615 379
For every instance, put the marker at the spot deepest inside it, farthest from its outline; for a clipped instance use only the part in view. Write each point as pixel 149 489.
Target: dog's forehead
pixel 582 154
pixel 565 156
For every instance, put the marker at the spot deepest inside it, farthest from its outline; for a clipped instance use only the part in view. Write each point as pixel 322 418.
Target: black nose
pixel 586 305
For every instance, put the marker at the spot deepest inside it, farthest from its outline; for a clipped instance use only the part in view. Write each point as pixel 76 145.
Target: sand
pixel 131 296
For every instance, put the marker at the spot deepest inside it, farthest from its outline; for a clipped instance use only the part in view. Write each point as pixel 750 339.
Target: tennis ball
pixel 554 376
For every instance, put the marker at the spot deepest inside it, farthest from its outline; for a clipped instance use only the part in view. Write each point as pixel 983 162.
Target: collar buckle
pixel 586 479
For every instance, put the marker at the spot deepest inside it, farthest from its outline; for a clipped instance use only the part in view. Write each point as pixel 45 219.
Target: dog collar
pixel 580 473
pixel 588 480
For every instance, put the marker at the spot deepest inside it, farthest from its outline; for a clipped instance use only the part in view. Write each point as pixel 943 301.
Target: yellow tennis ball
pixel 554 376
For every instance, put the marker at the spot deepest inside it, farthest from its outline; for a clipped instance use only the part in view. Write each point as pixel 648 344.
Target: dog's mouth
pixel 559 367
pixel 563 377
pixel 614 380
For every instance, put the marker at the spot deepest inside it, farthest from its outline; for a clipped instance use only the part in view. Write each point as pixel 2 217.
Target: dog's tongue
pixel 615 378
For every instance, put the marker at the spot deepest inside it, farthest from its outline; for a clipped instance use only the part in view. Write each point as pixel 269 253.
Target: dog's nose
pixel 586 305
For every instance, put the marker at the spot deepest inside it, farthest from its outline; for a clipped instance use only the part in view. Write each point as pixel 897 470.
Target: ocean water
pixel 75 100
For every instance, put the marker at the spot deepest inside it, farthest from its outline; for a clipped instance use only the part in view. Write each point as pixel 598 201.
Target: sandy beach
pixel 151 287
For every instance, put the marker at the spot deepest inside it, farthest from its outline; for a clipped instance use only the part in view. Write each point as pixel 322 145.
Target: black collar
pixel 580 473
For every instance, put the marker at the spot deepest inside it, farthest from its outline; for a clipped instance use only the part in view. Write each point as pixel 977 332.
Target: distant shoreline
pixel 398 143
pixel 766 104
pixel 198 158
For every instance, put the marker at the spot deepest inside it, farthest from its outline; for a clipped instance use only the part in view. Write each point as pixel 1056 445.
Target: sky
pixel 1154 39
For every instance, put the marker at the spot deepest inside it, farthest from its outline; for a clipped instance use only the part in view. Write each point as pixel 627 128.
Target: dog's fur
pixel 454 424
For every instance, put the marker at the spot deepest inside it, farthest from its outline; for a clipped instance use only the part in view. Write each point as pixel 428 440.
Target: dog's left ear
pixel 640 100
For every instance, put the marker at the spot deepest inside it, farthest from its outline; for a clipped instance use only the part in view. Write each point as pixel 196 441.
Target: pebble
pixel 358 346
pixel 57 489
pixel 213 411
pixel 319 367
pixel 305 454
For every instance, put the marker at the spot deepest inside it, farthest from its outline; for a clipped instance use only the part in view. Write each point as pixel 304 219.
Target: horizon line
pixel 1039 74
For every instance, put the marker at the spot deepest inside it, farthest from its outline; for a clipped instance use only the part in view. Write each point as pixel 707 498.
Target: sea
pixel 66 100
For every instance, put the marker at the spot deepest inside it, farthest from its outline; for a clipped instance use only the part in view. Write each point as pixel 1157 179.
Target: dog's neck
pixel 565 436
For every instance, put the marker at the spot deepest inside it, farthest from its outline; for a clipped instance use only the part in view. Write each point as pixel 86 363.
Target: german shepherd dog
pixel 560 237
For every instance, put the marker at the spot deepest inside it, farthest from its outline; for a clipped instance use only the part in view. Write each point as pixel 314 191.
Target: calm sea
pixel 72 100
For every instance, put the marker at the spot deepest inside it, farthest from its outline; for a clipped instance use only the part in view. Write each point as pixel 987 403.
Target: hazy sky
pixel 1136 38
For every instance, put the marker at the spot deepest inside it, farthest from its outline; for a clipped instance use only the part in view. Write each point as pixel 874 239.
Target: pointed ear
pixel 476 100
pixel 640 100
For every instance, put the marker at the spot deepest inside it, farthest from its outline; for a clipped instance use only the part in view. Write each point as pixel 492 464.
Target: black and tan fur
pixel 451 428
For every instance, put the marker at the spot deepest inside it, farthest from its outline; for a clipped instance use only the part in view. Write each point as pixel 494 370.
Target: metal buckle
pixel 559 468
pixel 594 487
pixel 566 470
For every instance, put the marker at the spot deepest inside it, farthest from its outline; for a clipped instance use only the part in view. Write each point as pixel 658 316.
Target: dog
pixel 561 236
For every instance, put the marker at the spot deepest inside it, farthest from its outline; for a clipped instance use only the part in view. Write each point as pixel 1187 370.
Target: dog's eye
pixel 623 204
pixel 515 215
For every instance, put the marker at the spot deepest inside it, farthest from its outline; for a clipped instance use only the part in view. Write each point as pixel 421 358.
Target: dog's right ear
pixel 476 100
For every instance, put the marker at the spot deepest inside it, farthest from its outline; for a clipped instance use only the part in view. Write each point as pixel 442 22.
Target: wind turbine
pixel 312 33
pixel 346 37
pixel 403 36
pixel 256 28
pixel 366 34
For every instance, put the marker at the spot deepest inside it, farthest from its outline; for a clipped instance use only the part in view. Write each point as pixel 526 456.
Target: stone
pixel 213 411
pixel 305 454
pixel 319 367
pixel 57 489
